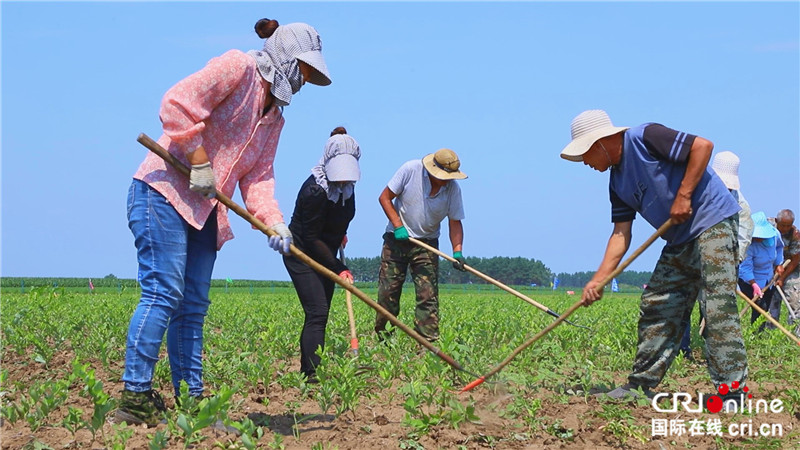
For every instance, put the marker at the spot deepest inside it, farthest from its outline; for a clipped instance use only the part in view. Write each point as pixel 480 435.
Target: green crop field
pixel 63 356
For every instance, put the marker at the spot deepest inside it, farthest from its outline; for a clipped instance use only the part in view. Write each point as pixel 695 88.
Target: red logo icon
pixel 714 403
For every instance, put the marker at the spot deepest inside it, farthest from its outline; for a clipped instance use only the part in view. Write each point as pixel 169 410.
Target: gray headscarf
pixel 277 62
pixel 338 144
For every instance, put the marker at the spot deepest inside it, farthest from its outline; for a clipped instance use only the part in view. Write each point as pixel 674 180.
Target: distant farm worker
pixel 661 173
pixel 789 280
pixel 416 200
pixel 763 259
pixel 224 121
pixel 323 210
pixel 726 166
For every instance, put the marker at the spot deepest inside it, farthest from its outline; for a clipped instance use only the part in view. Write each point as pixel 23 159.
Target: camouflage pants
pixel 396 257
pixel 707 263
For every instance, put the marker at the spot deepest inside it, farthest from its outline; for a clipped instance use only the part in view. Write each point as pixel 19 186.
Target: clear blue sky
pixel 498 83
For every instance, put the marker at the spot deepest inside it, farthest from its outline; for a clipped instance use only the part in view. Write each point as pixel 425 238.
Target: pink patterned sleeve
pixel 186 105
pixel 258 185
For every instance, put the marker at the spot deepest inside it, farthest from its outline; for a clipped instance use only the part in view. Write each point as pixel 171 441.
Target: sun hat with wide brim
pixel 587 127
pixel 320 75
pixel 726 166
pixel 763 229
pixel 444 165
pixel 304 42
pixel 343 168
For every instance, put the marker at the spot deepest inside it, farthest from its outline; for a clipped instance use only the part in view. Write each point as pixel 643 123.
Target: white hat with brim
pixel 587 127
pixel 444 165
pixel 726 166
pixel 314 58
pixel 763 229
pixel 343 168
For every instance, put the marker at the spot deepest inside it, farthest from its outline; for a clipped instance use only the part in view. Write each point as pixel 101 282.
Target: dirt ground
pixel 574 422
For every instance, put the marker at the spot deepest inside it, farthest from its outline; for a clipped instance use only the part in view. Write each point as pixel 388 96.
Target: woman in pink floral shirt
pixel 225 121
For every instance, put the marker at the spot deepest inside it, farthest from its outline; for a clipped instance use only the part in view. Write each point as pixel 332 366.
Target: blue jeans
pixel 175 266
pixel 687 338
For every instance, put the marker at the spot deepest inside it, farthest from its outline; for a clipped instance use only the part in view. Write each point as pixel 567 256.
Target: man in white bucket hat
pixel 661 174
pixel 726 166
pixel 420 195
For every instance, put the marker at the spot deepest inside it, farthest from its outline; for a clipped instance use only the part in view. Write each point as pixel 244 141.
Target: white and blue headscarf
pixel 277 62
pixel 338 144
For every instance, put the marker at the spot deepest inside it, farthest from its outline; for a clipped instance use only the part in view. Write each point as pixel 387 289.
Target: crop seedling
pixel 158 440
pixel 559 431
pixel 255 355
pixel 340 372
pixel 526 410
pixel 793 395
pixel 73 420
pixel 458 413
pixel 194 415
pixel 122 433
pixel 102 402
pixel 277 442
pixel 249 432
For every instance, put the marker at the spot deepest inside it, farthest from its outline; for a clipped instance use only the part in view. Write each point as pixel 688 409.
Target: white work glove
pixel 283 239
pixel 201 180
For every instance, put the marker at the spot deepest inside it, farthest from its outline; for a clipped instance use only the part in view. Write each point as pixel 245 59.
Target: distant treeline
pixel 511 271
pixel 579 279
pixel 110 281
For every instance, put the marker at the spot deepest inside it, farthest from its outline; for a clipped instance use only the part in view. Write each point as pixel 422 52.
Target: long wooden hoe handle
pixel 350 315
pixel 769 317
pixel 491 280
pixel 572 308
pixel 154 147
pixel 792 313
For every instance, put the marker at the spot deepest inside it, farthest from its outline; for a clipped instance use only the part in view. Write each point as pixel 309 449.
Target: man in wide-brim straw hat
pixel 662 174
pixel 420 195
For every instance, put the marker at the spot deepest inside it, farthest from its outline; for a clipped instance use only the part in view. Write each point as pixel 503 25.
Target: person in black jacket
pixel 324 208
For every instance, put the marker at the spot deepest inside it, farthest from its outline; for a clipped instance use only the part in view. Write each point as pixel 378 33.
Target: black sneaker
pixel 136 408
pixel 732 402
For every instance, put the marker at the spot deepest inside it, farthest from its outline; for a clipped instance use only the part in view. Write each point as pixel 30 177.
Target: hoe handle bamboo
pixel 792 313
pixel 154 147
pixel 350 316
pixel 769 317
pixel 661 230
pixel 481 275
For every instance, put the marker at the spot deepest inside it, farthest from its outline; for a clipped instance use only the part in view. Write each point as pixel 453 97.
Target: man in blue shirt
pixel 662 173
